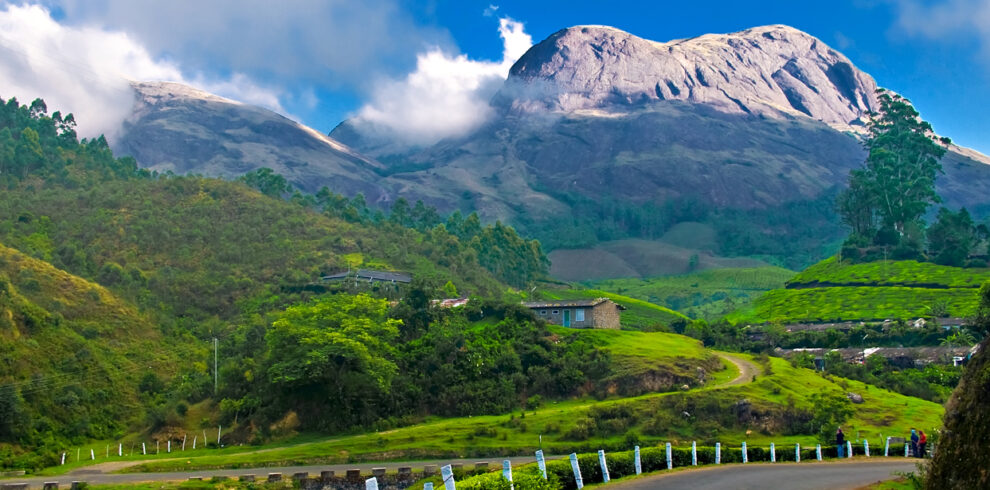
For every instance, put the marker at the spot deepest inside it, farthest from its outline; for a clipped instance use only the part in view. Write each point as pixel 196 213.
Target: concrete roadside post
pixel 428 486
pixel 905 449
pixel 507 472
pixel 866 448
pixel 818 452
pixel 694 453
pixel 447 474
pixel 604 465
pixel 718 453
pixel 371 484
pixel 849 446
pixel 577 471
pixel 670 462
pixel 637 462
pixel 773 454
pixel 63 457
pixel 542 463
pixel 797 452
pixel 886 448
pixel 744 455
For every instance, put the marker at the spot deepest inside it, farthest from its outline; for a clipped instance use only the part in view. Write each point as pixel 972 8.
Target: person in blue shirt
pixel 840 443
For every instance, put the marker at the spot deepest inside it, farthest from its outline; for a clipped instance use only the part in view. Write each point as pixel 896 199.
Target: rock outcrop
pixel 174 127
pixel 772 70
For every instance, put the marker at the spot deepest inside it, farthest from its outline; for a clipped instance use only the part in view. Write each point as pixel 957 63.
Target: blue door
pixel 567 318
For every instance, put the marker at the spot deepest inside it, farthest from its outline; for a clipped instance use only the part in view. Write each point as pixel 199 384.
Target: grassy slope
pixel 707 294
pixel 73 350
pixel 870 291
pixel 903 273
pixel 638 314
pixel 636 353
pixel 883 413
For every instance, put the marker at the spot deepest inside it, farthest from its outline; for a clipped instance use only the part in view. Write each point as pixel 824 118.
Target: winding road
pixel 792 476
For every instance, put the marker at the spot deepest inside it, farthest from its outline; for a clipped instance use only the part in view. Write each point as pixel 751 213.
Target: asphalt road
pixel 802 476
pixel 95 477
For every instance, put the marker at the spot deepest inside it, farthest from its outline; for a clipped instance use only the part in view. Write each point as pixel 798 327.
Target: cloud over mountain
pixel 88 70
pixel 445 95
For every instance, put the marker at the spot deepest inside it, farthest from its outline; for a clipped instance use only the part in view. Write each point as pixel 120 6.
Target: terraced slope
pixel 839 291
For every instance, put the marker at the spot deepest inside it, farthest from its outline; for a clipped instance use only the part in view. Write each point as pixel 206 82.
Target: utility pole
pixel 216 375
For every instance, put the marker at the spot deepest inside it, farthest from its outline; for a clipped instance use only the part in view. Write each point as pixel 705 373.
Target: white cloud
pixel 87 70
pixel 446 95
pixel 290 43
pixel 946 19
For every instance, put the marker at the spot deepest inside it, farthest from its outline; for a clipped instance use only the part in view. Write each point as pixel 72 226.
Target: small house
pixel 589 313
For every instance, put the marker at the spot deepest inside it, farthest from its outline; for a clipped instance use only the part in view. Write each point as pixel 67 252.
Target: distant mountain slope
pixel 601 135
pixel 177 128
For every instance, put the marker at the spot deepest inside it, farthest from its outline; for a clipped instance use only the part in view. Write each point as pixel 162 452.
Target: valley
pixel 725 241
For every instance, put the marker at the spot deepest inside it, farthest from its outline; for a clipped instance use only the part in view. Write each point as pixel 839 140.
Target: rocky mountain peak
pixel 775 71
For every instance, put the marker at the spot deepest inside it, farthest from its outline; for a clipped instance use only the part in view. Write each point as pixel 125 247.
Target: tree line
pixel 888 198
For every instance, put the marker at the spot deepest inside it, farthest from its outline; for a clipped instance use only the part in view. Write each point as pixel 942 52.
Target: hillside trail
pixel 747 369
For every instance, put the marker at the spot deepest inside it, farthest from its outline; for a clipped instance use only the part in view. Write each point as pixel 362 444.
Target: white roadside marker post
pixel 797 452
pixel 773 454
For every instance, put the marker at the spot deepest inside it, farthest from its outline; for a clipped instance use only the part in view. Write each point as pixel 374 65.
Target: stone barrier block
pixel 300 476
pixel 76 485
pixel 354 474
pixel 246 478
pixel 14 486
pixel 274 477
pixel 195 478
pixel 378 472
pixel 326 475
pixel 50 485
pixel 429 470
pixel 405 471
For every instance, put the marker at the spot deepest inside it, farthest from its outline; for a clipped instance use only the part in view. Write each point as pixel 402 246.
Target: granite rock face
pixel 174 127
pixel 774 71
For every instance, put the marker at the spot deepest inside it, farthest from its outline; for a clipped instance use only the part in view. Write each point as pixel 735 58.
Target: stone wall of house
pixel 606 315
pixel 558 318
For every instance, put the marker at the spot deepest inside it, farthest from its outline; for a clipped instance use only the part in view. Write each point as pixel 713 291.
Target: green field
pixel 587 425
pixel 832 291
pixel 900 273
pixel 639 314
pixel 860 303
pixel 708 294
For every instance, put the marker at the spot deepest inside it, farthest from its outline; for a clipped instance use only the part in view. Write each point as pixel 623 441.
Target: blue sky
pixel 321 61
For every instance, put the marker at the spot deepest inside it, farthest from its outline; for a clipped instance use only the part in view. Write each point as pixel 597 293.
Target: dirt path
pixel 747 369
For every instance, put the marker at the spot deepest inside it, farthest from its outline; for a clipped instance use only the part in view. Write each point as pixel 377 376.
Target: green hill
pixel 707 294
pixel 839 291
pixel 72 357
pixel 776 407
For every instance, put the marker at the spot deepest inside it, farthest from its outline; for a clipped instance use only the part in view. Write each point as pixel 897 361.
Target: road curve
pixel 747 369
pixel 801 476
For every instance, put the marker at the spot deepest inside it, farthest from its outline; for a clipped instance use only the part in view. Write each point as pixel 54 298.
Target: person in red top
pixel 922 441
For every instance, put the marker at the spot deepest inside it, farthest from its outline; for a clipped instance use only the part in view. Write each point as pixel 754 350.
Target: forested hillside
pixel 180 260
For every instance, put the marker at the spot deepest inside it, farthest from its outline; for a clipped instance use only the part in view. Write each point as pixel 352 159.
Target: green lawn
pixel 707 294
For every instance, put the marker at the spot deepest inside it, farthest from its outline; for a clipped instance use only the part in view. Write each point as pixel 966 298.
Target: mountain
pixel 775 71
pixel 601 135
pixel 174 127
pixel 597 136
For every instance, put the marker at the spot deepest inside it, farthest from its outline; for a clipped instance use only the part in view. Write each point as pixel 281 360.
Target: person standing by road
pixel 922 442
pixel 840 443
pixel 914 442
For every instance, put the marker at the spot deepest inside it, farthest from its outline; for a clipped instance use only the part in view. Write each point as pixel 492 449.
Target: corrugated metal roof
pixel 570 304
pixel 386 276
